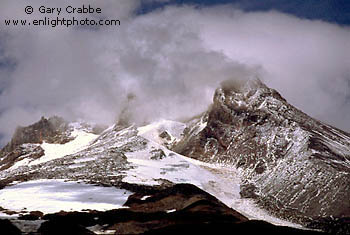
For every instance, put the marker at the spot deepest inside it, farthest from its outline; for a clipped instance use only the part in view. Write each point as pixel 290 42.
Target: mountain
pixel 251 163
pixel 293 165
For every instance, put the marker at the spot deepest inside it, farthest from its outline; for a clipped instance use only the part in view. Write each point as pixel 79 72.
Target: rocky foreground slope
pixel 252 146
pixel 180 208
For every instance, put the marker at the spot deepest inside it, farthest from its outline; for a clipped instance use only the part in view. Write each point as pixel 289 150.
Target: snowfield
pixel 219 180
pixel 50 196
pixel 82 139
pixel 54 151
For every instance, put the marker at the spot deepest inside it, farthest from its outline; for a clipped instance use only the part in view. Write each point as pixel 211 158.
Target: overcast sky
pixel 171 57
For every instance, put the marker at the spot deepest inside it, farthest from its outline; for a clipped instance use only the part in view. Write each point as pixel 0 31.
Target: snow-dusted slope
pixel 155 163
pixel 123 155
pixel 292 164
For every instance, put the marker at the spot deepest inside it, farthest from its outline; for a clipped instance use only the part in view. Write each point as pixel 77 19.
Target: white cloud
pixel 172 60
pixel 307 61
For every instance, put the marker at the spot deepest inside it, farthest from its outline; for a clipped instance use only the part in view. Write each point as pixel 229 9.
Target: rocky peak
pixel 26 141
pixel 251 101
pixel 49 130
pixel 293 165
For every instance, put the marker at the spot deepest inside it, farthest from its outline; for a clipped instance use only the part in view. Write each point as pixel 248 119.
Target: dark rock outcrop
pixel 179 208
pixel 335 226
pixel 50 130
pixel 249 227
pixel 63 226
pixel 6 227
pixel 157 154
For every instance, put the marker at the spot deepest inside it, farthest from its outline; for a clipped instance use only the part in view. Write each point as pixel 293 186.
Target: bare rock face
pixel 20 152
pixel 295 166
pixel 50 130
pixel 26 140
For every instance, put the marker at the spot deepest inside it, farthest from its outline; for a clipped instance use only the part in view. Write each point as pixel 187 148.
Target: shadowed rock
pixel 6 227
pixel 180 208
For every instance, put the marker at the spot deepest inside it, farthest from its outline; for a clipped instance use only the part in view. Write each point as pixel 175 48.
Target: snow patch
pixel 145 197
pixel 20 163
pixel 200 126
pixel 50 196
pixel 153 130
pixel 82 160
pixel 54 151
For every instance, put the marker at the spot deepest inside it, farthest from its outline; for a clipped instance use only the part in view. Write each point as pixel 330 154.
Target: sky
pixel 334 11
pixel 166 58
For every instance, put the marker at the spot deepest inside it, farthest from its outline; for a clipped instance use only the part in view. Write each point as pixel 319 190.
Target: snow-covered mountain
pixel 255 153
pixel 291 164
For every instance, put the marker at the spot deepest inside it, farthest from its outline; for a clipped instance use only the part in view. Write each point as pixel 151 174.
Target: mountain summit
pixel 293 165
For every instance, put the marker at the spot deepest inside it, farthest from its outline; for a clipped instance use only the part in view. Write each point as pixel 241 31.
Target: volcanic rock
pixel 293 165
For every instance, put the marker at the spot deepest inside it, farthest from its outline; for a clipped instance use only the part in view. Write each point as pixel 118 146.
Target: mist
pixel 170 60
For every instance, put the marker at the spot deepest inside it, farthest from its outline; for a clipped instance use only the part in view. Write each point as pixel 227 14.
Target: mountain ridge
pixel 260 149
pixel 279 149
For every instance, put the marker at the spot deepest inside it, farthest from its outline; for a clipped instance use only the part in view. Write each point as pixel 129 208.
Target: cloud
pixel 307 61
pixel 171 60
